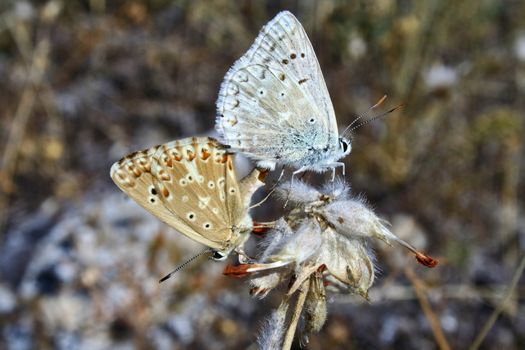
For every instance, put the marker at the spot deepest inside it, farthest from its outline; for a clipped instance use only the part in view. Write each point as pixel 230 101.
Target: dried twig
pixel 419 288
pixel 494 316
pixel 303 291
pixel 36 69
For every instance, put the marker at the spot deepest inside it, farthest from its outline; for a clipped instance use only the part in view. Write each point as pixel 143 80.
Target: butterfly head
pixel 345 146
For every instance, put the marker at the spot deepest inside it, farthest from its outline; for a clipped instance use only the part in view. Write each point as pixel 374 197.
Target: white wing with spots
pixel 273 103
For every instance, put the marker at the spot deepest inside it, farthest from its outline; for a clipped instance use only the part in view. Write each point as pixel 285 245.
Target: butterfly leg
pixel 298 171
pixel 335 165
pixel 269 193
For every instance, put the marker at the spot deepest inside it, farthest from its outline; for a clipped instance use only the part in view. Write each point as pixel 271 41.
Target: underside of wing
pixel 197 183
pixel 276 88
pixel 133 175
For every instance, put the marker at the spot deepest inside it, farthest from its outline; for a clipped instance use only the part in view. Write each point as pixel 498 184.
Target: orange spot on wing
pixel 205 154
pixel 134 171
pixel 144 164
pixel 191 155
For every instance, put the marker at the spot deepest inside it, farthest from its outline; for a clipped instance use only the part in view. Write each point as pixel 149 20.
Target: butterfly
pixel 191 185
pixel 274 106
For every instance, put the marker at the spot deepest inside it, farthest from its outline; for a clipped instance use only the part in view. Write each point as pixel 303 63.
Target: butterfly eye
pixel 218 256
pixel 345 146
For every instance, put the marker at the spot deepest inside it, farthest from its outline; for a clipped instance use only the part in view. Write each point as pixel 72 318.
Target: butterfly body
pixel 191 185
pixel 274 106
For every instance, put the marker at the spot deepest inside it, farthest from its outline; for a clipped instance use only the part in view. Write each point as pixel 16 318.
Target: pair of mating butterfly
pixel 274 107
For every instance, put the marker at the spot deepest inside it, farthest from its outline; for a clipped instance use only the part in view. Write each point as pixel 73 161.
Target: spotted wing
pixel 273 103
pixel 132 174
pixel 197 183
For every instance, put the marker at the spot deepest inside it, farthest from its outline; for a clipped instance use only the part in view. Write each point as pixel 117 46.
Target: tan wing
pixel 132 174
pixel 197 183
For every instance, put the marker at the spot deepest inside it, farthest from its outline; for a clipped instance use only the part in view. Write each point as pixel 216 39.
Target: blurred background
pixel 86 82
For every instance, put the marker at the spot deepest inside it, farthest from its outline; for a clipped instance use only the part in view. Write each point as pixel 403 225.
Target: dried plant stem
pixel 36 60
pixel 12 146
pixel 419 288
pixel 18 126
pixel 494 316
pixel 301 298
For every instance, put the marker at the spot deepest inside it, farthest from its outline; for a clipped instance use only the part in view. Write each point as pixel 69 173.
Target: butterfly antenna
pixel 378 103
pixel 272 190
pixel 183 265
pixel 376 117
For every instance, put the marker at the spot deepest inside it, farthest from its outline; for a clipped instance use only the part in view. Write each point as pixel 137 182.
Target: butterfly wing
pixel 132 174
pixel 197 183
pixel 273 104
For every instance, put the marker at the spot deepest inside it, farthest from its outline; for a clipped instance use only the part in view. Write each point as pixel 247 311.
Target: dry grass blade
pixel 301 298
pixel 36 70
pixel 419 288
pixel 494 316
